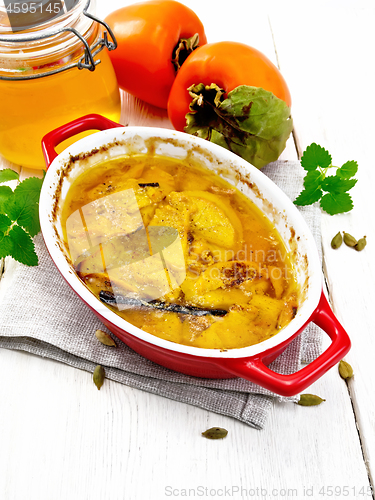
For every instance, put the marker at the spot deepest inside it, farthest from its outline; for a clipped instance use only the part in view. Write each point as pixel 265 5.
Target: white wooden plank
pixel 69 440
pixel 117 442
pixel 331 83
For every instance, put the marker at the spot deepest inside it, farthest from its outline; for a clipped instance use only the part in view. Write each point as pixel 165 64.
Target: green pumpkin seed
pixel 98 376
pixel 349 240
pixel 215 433
pixel 336 240
pixel 105 338
pixel 345 370
pixel 360 245
pixel 310 400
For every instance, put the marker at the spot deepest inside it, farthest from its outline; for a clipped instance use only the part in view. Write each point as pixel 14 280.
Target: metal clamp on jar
pixel 51 74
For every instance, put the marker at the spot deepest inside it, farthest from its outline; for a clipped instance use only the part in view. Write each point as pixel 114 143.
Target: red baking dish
pixel 251 362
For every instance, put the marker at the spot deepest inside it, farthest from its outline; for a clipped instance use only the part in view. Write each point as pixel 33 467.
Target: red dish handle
pixel 256 371
pixel 60 134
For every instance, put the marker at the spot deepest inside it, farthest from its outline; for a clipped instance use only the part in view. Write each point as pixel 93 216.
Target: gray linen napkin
pixel 54 323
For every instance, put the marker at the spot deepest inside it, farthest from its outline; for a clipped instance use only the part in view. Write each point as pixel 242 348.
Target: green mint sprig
pixel 19 217
pixel 331 190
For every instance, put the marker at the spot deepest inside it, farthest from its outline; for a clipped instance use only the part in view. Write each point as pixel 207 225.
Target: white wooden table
pixel 60 439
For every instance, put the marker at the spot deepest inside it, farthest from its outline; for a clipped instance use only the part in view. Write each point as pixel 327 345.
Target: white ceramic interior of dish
pixel 252 182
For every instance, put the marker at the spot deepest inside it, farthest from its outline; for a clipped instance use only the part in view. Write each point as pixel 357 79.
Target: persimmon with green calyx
pixel 154 38
pixel 233 95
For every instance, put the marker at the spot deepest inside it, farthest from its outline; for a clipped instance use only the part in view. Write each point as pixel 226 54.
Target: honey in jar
pixel 41 85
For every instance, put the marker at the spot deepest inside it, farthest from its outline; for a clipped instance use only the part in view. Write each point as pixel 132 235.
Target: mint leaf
pixel 24 206
pixel 19 219
pixel 7 174
pixel 6 246
pixel 5 224
pixel 312 191
pixel 335 184
pixel 348 170
pixel 334 203
pixel 30 187
pixel 315 156
pixel 313 179
pixel 332 190
pixel 30 221
pixel 308 196
pixel 17 207
pixel 5 194
pixel 24 211
pixel 5 243
pixel 23 249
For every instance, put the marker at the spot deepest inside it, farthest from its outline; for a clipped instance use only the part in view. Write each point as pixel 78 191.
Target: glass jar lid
pixel 70 40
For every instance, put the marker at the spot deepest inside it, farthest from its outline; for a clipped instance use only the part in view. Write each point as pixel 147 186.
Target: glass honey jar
pixel 51 74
